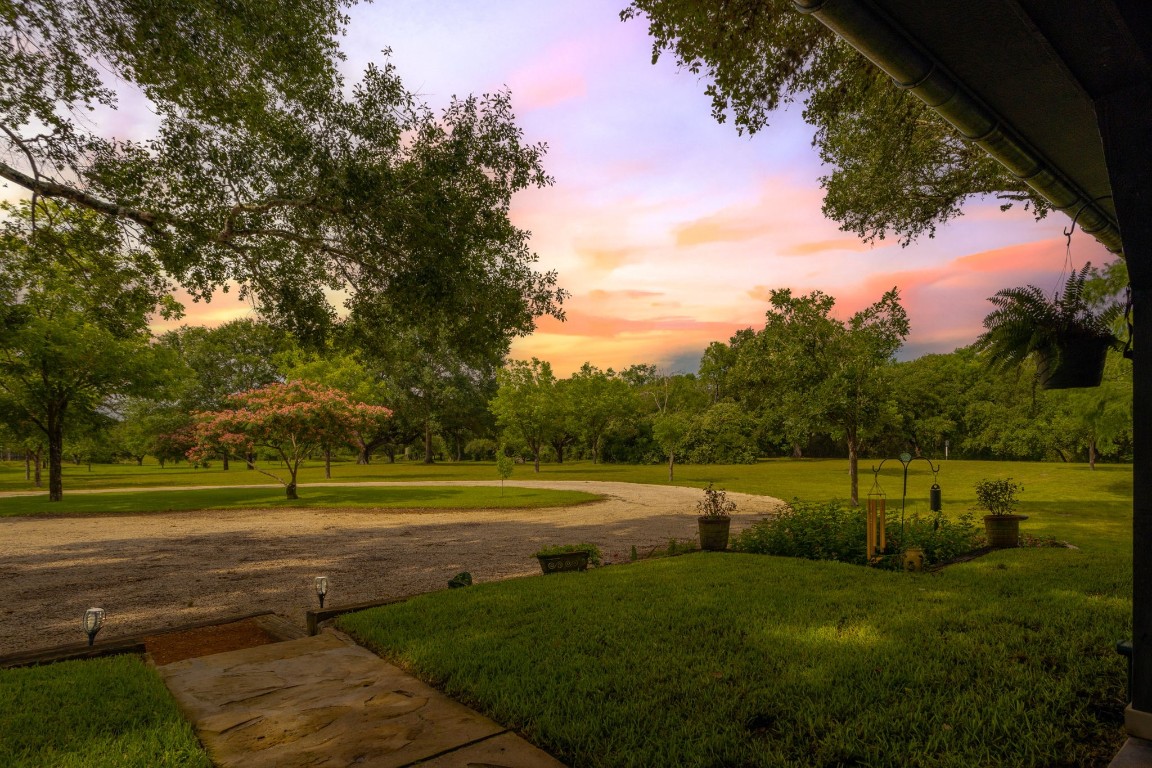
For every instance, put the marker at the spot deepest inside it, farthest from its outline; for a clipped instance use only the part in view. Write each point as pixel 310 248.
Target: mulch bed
pixel 193 643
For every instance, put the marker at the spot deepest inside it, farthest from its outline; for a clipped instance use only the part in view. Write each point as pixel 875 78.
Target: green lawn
pixel 106 713
pixel 169 500
pixel 744 660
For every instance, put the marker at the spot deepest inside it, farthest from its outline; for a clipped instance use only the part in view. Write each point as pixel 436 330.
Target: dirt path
pixel 159 570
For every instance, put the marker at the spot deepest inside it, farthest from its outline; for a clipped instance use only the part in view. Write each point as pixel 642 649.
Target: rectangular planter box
pixel 569 561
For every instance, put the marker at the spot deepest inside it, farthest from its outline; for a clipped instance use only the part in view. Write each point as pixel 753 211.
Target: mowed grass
pixel 105 713
pixel 325 497
pixel 727 659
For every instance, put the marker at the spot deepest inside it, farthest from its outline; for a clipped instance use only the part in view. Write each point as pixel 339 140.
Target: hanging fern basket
pixel 1077 362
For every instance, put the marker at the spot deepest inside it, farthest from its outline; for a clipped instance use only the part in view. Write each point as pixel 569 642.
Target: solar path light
pixel 321 588
pixel 93 620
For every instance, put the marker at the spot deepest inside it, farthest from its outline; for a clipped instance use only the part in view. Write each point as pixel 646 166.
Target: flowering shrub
pixel 291 419
pixel 836 531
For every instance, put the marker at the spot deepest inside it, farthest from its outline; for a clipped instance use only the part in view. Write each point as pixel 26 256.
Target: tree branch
pixel 45 188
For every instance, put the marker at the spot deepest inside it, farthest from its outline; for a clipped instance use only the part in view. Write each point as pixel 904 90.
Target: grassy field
pixel 105 713
pixel 726 659
pixel 740 660
pixel 169 500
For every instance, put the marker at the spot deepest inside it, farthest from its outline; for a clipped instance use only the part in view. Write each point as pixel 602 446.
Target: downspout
pixel 866 30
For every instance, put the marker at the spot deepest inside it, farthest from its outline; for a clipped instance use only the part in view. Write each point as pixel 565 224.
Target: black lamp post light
pixel 93 620
pixel 321 588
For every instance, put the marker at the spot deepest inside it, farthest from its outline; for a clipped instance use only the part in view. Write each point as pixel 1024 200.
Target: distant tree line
pixel 803 385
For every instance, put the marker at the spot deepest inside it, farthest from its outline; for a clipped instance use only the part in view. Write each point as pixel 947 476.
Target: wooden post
pixel 1125 120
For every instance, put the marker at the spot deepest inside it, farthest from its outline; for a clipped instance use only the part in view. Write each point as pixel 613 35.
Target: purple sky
pixel 667 228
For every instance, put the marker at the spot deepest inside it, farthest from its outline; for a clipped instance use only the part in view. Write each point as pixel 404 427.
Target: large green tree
pixel 73 324
pixel 526 403
pixel 267 170
pixel 896 167
pixel 831 372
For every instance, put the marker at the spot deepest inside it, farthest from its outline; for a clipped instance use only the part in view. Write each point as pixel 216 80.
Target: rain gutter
pixel 889 48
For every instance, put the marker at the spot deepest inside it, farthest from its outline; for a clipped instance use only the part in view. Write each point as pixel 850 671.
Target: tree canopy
pixel 266 171
pixel 897 168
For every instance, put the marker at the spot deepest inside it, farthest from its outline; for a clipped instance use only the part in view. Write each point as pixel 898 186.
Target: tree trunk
pixel 391 454
pixel 55 458
pixel 290 490
pixel 559 452
pixel 671 463
pixel 224 458
pixel 28 465
pixel 139 461
pixel 161 459
pixel 37 464
pixel 250 461
pixel 536 459
pixel 853 469
pixel 428 443
pixel 797 451
pixel 327 464
pixel 1092 454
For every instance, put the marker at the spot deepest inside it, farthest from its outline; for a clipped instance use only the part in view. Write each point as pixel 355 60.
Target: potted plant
pixel 1066 333
pixel 998 498
pixel 568 557
pixel 715 519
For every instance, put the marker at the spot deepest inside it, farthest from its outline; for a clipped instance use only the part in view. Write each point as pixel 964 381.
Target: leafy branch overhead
pixel 263 173
pixel 897 168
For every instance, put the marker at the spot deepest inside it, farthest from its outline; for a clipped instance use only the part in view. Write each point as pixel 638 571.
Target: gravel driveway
pixel 151 571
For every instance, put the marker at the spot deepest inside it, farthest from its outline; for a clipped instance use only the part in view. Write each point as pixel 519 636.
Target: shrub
pixel 816 531
pixel 998 496
pixel 724 434
pixel 836 531
pixel 715 503
pixel 480 449
pixel 942 539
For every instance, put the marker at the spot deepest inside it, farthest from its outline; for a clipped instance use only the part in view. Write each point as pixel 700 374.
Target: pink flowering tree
pixel 292 419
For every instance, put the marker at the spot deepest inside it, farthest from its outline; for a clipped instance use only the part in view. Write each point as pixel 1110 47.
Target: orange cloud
pixel 603 326
pixel 820 246
pixel 604 259
pixel 600 294
pixel 721 228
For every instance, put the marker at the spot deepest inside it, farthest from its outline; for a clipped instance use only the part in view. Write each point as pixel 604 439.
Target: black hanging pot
pixel 1076 361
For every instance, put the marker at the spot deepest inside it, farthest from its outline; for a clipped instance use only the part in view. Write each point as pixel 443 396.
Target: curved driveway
pixel 151 571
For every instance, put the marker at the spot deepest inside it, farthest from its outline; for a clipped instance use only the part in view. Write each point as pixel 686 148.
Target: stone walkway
pixel 325 702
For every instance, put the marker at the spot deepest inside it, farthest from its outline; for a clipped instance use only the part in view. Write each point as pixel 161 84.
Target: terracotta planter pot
pixel 1003 531
pixel 568 561
pixel 714 533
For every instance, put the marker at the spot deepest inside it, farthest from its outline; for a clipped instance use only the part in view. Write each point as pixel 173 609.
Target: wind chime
pixel 876 507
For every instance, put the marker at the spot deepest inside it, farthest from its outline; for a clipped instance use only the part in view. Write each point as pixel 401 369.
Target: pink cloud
pixel 589 325
pixel 553 79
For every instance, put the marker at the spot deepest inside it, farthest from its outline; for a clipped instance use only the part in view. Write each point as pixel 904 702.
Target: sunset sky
pixel 668 229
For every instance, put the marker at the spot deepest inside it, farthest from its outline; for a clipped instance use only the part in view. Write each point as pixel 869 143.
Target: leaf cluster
pixel 1026 321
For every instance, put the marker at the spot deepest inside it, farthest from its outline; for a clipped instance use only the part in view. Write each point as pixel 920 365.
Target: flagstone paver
pixel 325 702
